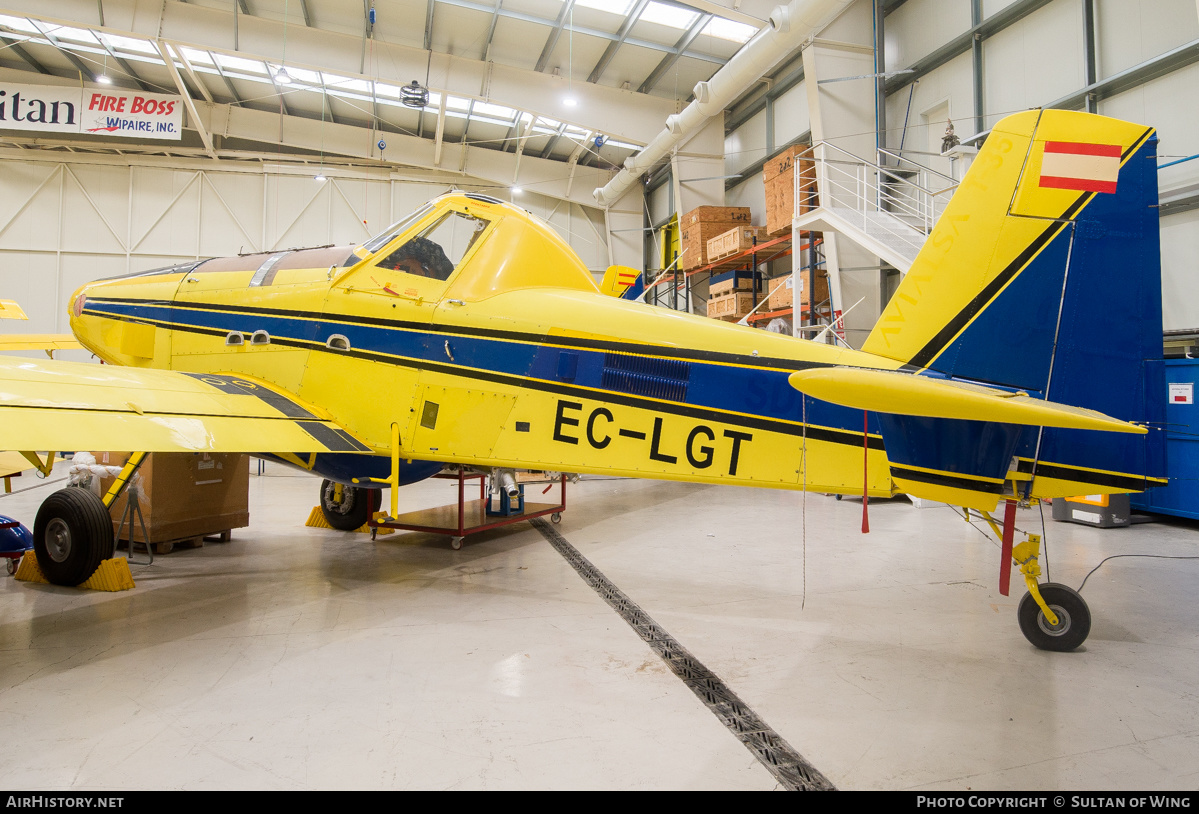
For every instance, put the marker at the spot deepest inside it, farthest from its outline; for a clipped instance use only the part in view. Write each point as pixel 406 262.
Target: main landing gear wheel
pixel 72 535
pixel 353 510
pixel 1074 618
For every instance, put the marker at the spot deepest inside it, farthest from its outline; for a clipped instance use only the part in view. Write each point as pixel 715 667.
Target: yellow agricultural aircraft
pixel 469 333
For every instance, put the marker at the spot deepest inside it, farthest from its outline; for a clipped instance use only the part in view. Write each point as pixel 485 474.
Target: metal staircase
pixel 887 207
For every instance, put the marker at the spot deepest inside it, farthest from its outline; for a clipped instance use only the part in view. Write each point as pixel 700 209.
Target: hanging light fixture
pixel 414 95
pixel 282 76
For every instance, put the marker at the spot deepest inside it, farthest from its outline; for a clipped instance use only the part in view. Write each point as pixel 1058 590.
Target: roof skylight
pixel 130 44
pixel 671 16
pixel 239 64
pixel 729 30
pixel 619 7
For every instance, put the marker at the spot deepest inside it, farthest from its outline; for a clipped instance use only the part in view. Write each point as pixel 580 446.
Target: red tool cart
pixel 471 516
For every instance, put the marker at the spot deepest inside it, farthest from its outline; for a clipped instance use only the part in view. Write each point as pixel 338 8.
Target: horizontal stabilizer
pixel 905 394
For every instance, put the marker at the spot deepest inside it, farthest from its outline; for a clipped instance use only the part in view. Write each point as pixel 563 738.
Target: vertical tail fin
pixel 1044 274
pixel 1054 198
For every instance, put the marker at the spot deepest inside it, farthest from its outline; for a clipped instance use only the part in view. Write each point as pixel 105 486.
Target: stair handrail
pixel 917 164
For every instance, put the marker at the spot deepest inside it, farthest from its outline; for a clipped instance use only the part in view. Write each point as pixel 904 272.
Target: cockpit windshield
pixel 439 248
pixel 383 238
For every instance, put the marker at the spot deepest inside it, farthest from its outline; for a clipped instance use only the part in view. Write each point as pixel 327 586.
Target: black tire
pixel 1074 618
pixel 72 535
pixel 356 506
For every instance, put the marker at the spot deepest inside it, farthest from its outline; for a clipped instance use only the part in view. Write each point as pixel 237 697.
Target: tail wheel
pixel 72 535
pixel 353 509
pixel 1074 618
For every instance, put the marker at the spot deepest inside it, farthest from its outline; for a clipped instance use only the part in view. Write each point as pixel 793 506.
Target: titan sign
pixel 130 114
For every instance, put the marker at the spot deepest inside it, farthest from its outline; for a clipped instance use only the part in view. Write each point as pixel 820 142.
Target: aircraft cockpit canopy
pixel 439 248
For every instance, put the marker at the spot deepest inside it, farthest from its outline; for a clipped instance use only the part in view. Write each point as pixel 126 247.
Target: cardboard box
pixel 185 494
pixel 733 242
pixel 778 178
pixel 702 224
pixel 731 306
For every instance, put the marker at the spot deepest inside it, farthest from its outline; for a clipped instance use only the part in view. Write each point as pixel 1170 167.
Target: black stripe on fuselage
pixel 660 351
pixel 831 435
pixel 1132 483
pixel 945 479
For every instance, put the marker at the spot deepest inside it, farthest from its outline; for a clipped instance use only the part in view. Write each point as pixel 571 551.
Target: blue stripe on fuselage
pixel 763 392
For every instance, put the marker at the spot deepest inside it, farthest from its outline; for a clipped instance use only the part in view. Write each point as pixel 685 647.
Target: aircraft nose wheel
pixel 1074 618
pixel 349 508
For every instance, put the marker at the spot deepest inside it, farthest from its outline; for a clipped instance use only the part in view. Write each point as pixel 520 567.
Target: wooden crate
pixel 737 282
pixel 778 178
pixel 717 214
pixel 783 296
pixel 733 242
pixel 185 496
pixel 702 224
pixel 731 305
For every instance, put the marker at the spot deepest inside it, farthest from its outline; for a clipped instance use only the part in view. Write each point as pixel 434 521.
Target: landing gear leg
pixel 1052 616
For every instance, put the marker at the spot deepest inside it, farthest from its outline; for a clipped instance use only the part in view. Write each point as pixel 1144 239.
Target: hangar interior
pixel 662 634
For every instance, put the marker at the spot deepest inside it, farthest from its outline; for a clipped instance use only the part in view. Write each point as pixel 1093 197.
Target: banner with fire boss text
pixel 125 113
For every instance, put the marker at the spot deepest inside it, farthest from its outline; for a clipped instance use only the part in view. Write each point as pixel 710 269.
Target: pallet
pixel 167 546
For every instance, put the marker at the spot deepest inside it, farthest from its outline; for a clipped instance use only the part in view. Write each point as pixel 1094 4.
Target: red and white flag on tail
pixel 1080 166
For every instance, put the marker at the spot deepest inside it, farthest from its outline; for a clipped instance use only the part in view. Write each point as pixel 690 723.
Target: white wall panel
pixel 1132 31
pixel 791 117
pixel 65 224
pixel 1034 61
pixel 919 27
pixel 953 81
pixel 752 193
pixel 747 144
pixel 1156 104
pixel 1180 271
pixel 992 6
pixel 659 203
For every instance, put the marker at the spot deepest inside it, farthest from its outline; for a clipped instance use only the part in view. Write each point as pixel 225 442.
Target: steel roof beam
pixel 429 25
pixel 551 41
pixel 18 49
pixel 614 46
pixel 75 60
pixel 669 60
pixel 495 16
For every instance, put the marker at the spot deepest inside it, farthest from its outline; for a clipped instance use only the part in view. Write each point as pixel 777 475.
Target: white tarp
pixel 124 113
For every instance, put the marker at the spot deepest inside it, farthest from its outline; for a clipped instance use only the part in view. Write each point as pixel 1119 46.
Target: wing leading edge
pixel 69 405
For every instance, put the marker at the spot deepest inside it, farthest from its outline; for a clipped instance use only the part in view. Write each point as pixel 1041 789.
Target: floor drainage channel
pixel 778 756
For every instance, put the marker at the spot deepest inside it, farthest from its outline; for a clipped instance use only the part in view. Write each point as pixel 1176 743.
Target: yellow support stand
pixel 112 575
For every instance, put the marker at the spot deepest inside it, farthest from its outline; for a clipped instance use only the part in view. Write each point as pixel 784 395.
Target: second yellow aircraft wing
pixel 70 405
pixel 905 394
pixel 10 342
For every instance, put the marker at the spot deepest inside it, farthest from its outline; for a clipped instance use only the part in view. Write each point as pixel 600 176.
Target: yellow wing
pixel 9 309
pixel 70 405
pixel 904 394
pixel 46 342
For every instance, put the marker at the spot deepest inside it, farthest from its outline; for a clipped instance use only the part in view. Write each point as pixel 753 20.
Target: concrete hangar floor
pixel 298 658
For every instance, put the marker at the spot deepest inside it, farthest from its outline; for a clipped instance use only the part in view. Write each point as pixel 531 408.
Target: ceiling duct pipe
pixel 789 27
